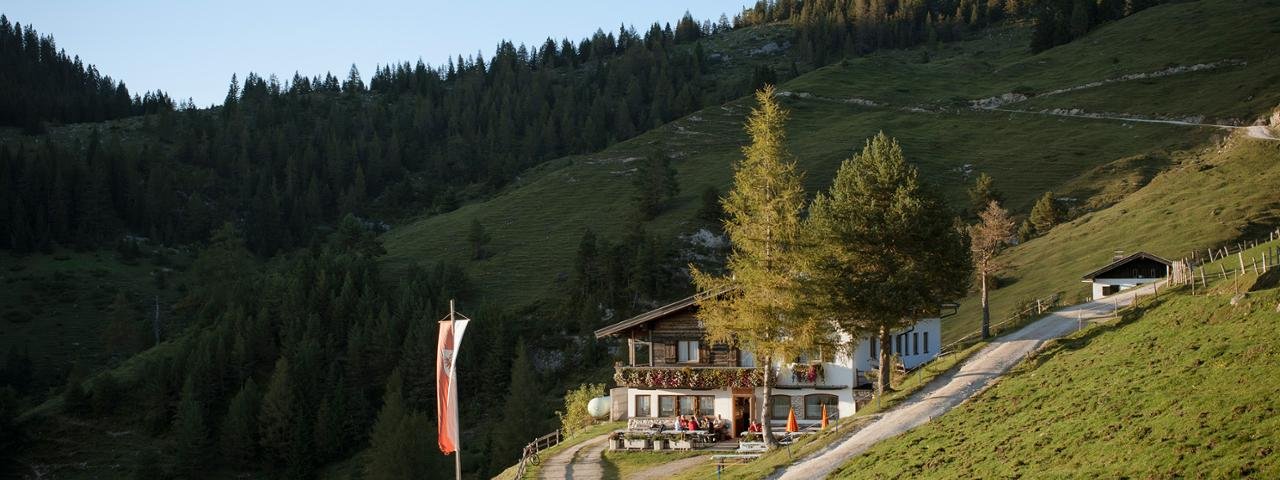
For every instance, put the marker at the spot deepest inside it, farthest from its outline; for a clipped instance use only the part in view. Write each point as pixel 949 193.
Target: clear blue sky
pixel 191 48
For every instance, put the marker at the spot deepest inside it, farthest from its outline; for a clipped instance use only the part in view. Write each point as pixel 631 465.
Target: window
pixel 915 343
pixel 926 342
pixel 746 359
pixel 813 406
pixel 643 408
pixel 872 341
pixel 688 352
pixel 686 405
pixel 897 347
pixel 666 405
pixel 706 405
pixel 780 408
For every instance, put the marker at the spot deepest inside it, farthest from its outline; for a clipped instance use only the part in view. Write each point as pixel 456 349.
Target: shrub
pixel 575 418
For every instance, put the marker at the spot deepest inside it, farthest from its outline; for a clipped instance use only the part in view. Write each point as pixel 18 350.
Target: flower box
pixel 659 444
pixel 682 444
pixel 638 443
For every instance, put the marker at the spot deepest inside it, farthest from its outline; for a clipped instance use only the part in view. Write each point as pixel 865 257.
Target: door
pixel 741 415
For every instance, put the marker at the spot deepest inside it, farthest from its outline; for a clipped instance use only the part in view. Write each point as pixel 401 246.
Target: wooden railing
pixel 530 453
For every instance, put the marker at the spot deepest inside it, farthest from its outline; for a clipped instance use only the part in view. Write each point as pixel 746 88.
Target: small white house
pixel 1134 270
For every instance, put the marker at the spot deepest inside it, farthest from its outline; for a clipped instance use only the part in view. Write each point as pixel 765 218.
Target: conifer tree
pixel 522 412
pixel 239 433
pixel 655 183
pixel 277 415
pixel 1045 214
pixel 477 238
pixel 757 306
pixel 191 436
pixel 400 445
pixel 987 238
pixel 887 252
pixel 982 193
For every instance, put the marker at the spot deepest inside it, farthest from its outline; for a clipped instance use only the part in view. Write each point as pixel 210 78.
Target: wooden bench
pixel 751 447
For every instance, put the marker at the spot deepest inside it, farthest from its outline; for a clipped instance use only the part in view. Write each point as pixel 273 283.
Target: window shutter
pixel 704 353
pixel 670 354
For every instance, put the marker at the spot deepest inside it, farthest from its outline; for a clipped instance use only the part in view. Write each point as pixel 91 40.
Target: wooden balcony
pixel 690 377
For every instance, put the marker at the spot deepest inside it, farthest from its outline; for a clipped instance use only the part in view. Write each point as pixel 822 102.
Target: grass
pixel 56 305
pixel 622 464
pixel 536 223
pixel 1182 386
pixel 1207 198
pixel 771 461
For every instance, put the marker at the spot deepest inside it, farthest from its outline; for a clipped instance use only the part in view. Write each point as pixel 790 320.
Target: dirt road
pixel 581 462
pixel 947 391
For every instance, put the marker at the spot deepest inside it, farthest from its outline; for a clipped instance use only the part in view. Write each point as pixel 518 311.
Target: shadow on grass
pixel 610 468
pixel 1084 337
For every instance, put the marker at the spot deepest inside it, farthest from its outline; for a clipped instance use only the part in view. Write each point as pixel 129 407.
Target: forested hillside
pixel 298 241
pixel 40 83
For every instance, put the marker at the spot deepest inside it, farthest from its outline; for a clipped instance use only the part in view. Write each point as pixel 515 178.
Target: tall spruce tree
pixel 655 183
pixel 191 436
pixel 239 433
pixel 522 413
pixel 400 445
pixel 757 305
pixel 888 252
pixel 987 238
pixel 982 193
pixel 276 417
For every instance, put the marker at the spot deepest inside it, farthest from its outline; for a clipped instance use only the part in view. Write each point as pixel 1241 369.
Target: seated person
pixel 754 428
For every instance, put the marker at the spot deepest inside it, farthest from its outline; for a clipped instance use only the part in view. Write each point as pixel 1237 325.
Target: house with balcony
pixel 672 370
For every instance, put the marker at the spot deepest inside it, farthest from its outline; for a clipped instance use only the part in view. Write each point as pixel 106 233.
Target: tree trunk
pixel 882 383
pixel 766 430
pixel 986 309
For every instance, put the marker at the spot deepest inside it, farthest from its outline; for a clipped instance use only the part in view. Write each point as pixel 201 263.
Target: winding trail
pixel 583 461
pixel 670 469
pixel 950 390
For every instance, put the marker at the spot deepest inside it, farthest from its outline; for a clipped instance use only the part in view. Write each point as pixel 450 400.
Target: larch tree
pixel 757 306
pixel 276 416
pixel 886 252
pixel 987 238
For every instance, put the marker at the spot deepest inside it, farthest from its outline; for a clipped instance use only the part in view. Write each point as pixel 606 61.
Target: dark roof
pixel 648 316
pixel 1108 267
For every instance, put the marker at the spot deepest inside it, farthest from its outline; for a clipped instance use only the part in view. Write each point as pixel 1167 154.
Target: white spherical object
pixel 598 407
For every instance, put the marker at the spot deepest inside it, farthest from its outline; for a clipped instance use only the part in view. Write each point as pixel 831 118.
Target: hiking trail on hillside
pixel 579 462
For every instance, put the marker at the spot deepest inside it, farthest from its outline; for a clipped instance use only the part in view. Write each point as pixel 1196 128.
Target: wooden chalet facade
pixel 672 370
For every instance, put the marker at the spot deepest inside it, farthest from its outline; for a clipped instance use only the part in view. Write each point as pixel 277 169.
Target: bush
pixel 575 418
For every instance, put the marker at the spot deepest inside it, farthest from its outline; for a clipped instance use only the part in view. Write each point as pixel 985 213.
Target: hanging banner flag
pixel 446 388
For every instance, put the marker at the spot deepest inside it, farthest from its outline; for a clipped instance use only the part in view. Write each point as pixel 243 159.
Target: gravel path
pixel 949 390
pixel 582 461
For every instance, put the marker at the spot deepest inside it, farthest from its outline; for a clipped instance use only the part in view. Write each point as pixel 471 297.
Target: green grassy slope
pixel 57 305
pixel 1210 197
pixel 1182 387
pixel 536 223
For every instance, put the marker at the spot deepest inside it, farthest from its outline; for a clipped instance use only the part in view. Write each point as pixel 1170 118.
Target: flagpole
pixel 453 385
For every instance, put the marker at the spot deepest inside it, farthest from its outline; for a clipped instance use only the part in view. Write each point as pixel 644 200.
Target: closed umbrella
pixel 791 422
pixel 824 416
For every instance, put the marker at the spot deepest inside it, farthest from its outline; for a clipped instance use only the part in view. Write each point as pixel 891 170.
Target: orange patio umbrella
pixel 791 422
pixel 824 416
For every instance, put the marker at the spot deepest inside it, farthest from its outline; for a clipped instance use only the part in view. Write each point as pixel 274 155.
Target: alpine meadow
pixel 795 239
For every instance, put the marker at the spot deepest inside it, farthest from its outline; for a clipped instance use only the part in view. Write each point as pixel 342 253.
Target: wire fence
pixel 1197 270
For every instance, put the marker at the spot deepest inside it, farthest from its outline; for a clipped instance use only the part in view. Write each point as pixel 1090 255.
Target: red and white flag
pixel 446 388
